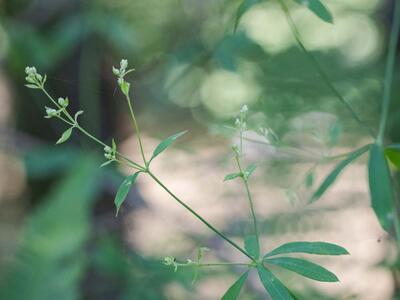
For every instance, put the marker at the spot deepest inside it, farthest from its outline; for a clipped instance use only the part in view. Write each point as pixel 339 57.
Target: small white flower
pixel 116 71
pixel 107 149
pixel 238 123
pixel 244 109
pixel 123 64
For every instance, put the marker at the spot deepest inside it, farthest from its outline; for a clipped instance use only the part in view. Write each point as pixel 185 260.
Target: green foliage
pixel 65 136
pixel 318 8
pixel 272 285
pixel 232 176
pixel 380 185
pixel 319 248
pixel 304 268
pixel 124 189
pixel 330 179
pixel 166 143
pixel 50 259
pixel 252 246
pixel 234 291
pixel 243 8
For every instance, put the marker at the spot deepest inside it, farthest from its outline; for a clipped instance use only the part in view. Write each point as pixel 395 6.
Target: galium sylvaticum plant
pixel 256 258
pixel 251 249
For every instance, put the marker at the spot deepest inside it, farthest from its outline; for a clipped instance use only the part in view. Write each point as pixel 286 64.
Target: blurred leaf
pixel 232 176
pixel 249 170
pixel 272 285
pixel 233 292
pixel 166 143
pixel 394 156
pixel 318 8
pixel 304 268
pixel 309 181
pixel 123 190
pixel 242 9
pixel 234 47
pixel 336 171
pixel 380 185
pixel 43 162
pixel 65 136
pixel 50 260
pixel 252 247
pixel 319 248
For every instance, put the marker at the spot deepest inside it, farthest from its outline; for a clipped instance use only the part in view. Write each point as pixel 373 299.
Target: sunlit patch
pixel 224 92
pixel 182 84
pixel 267 26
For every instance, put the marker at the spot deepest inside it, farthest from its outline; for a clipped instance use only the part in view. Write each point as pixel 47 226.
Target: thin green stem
pixel 390 64
pixel 71 122
pixel 199 217
pixel 320 70
pixel 250 198
pixel 136 126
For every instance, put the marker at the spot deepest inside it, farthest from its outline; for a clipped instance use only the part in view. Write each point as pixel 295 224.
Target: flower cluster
pixel 34 79
pixel 120 73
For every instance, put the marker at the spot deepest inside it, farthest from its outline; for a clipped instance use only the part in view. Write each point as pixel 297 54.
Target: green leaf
pixel 125 87
pixel 394 156
pixel 78 113
pixel 232 176
pixel 319 248
pixel 242 9
pixel 65 136
pixel 380 187
pixel 124 190
pixel 249 170
pixel 336 171
pixel 318 8
pixel 32 86
pixel 309 181
pixel 272 285
pixel 233 292
pixel 106 163
pixel 252 246
pixel 166 143
pixel 304 268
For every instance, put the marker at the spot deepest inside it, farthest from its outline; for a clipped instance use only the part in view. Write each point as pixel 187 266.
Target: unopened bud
pixel 124 64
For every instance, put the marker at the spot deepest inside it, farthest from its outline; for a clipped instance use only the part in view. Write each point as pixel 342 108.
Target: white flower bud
pixel 237 123
pixel 108 155
pixel 124 64
pixel 51 112
pixel 116 72
pixel 30 79
pixel 107 149
pixel 38 77
pixel 244 109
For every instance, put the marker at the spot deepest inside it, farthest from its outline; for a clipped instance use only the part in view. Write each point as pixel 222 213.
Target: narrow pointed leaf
pixel 273 286
pixel 32 86
pixel 106 163
pixel 252 246
pixel 166 143
pixel 393 156
pixel 123 190
pixel 249 170
pixel 232 176
pixel 242 9
pixel 380 187
pixel 65 136
pixel 319 248
pixel 304 268
pixel 233 292
pixel 318 8
pixel 336 171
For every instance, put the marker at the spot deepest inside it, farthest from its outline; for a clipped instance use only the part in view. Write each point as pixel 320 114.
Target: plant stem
pixel 249 197
pixel 320 70
pixel 387 86
pixel 71 121
pixel 199 217
pixel 136 126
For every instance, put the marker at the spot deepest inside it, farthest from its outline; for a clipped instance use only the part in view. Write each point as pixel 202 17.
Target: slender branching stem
pixel 390 64
pixel 136 126
pixel 249 197
pixel 223 236
pixel 319 69
pixel 70 120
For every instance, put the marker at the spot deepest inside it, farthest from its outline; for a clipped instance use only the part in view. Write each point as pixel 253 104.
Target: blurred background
pixel 59 237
